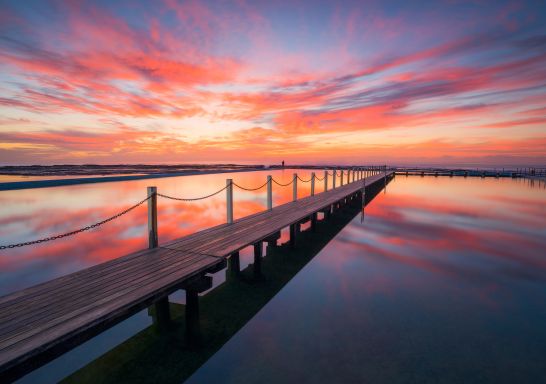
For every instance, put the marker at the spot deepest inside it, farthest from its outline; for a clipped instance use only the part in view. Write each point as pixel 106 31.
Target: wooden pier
pixel 497 173
pixel 39 323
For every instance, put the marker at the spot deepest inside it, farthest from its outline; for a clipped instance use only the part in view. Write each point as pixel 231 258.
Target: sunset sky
pixel 399 82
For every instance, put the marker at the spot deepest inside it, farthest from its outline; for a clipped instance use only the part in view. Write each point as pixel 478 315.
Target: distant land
pixel 116 169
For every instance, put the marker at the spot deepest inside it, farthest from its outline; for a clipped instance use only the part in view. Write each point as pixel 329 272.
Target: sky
pixel 444 82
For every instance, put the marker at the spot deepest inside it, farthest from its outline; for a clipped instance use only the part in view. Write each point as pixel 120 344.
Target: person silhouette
pixel 283 163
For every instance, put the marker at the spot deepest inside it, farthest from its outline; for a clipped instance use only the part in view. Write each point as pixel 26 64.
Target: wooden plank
pixel 44 309
pixel 70 329
pixel 88 299
pixel 80 316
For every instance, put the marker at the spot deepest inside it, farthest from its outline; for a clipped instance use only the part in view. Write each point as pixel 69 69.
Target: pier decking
pixel 39 323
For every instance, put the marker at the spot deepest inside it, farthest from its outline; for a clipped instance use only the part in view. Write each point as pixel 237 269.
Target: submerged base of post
pixel 162 315
pixel 193 327
pixel 234 266
pixel 293 235
pixel 314 222
pixel 272 240
pixel 258 253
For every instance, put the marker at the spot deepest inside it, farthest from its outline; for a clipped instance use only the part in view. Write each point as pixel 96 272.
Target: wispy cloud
pixel 255 81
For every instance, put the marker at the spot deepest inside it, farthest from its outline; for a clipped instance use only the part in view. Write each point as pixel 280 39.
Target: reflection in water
pixel 445 281
pixel 167 358
pixel 36 213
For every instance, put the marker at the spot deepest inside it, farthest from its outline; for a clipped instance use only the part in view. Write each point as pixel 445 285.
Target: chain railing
pixel 250 189
pixel 188 199
pixel 71 233
pixel 282 185
pixel 152 205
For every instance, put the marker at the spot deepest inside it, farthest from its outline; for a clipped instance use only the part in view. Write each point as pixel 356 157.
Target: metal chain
pixel 2 247
pixel 318 178
pixel 250 189
pixel 304 181
pixel 282 185
pixel 192 199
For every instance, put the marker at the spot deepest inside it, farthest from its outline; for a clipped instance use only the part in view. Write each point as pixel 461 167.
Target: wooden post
pixel 312 183
pixel 272 240
pixel 295 187
pixel 341 180
pixel 334 179
pixel 269 193
pixel 162 317
pixel 258 251
pixel 152 218
pixel 293 234
pixel 325 180
pixel 234 264
pixel 229 200
pixel 193 330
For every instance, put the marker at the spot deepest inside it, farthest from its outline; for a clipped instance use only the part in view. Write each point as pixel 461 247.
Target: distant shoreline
pixel 32 184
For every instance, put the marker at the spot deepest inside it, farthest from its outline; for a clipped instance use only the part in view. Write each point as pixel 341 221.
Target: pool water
pixel 440 280
pixel 444 281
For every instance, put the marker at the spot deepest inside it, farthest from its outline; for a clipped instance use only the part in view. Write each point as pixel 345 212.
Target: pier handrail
pixel 153 194
pixel 282 185
pixel 192 198
pixel 250 189
pixel 304 181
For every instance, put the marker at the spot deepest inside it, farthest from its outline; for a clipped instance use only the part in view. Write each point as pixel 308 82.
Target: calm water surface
pixel 443 281
pixel 36 213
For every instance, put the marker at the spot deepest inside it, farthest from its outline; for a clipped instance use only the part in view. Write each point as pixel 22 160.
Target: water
pixel 443 281
pixel 36 213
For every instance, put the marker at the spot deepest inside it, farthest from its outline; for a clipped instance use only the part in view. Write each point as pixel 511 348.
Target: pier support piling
pixel 193 288
pixel 234 265
pixel 272 240
pixel 314 222
pixel 162 317
pixel 258 253
pixel 293 235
